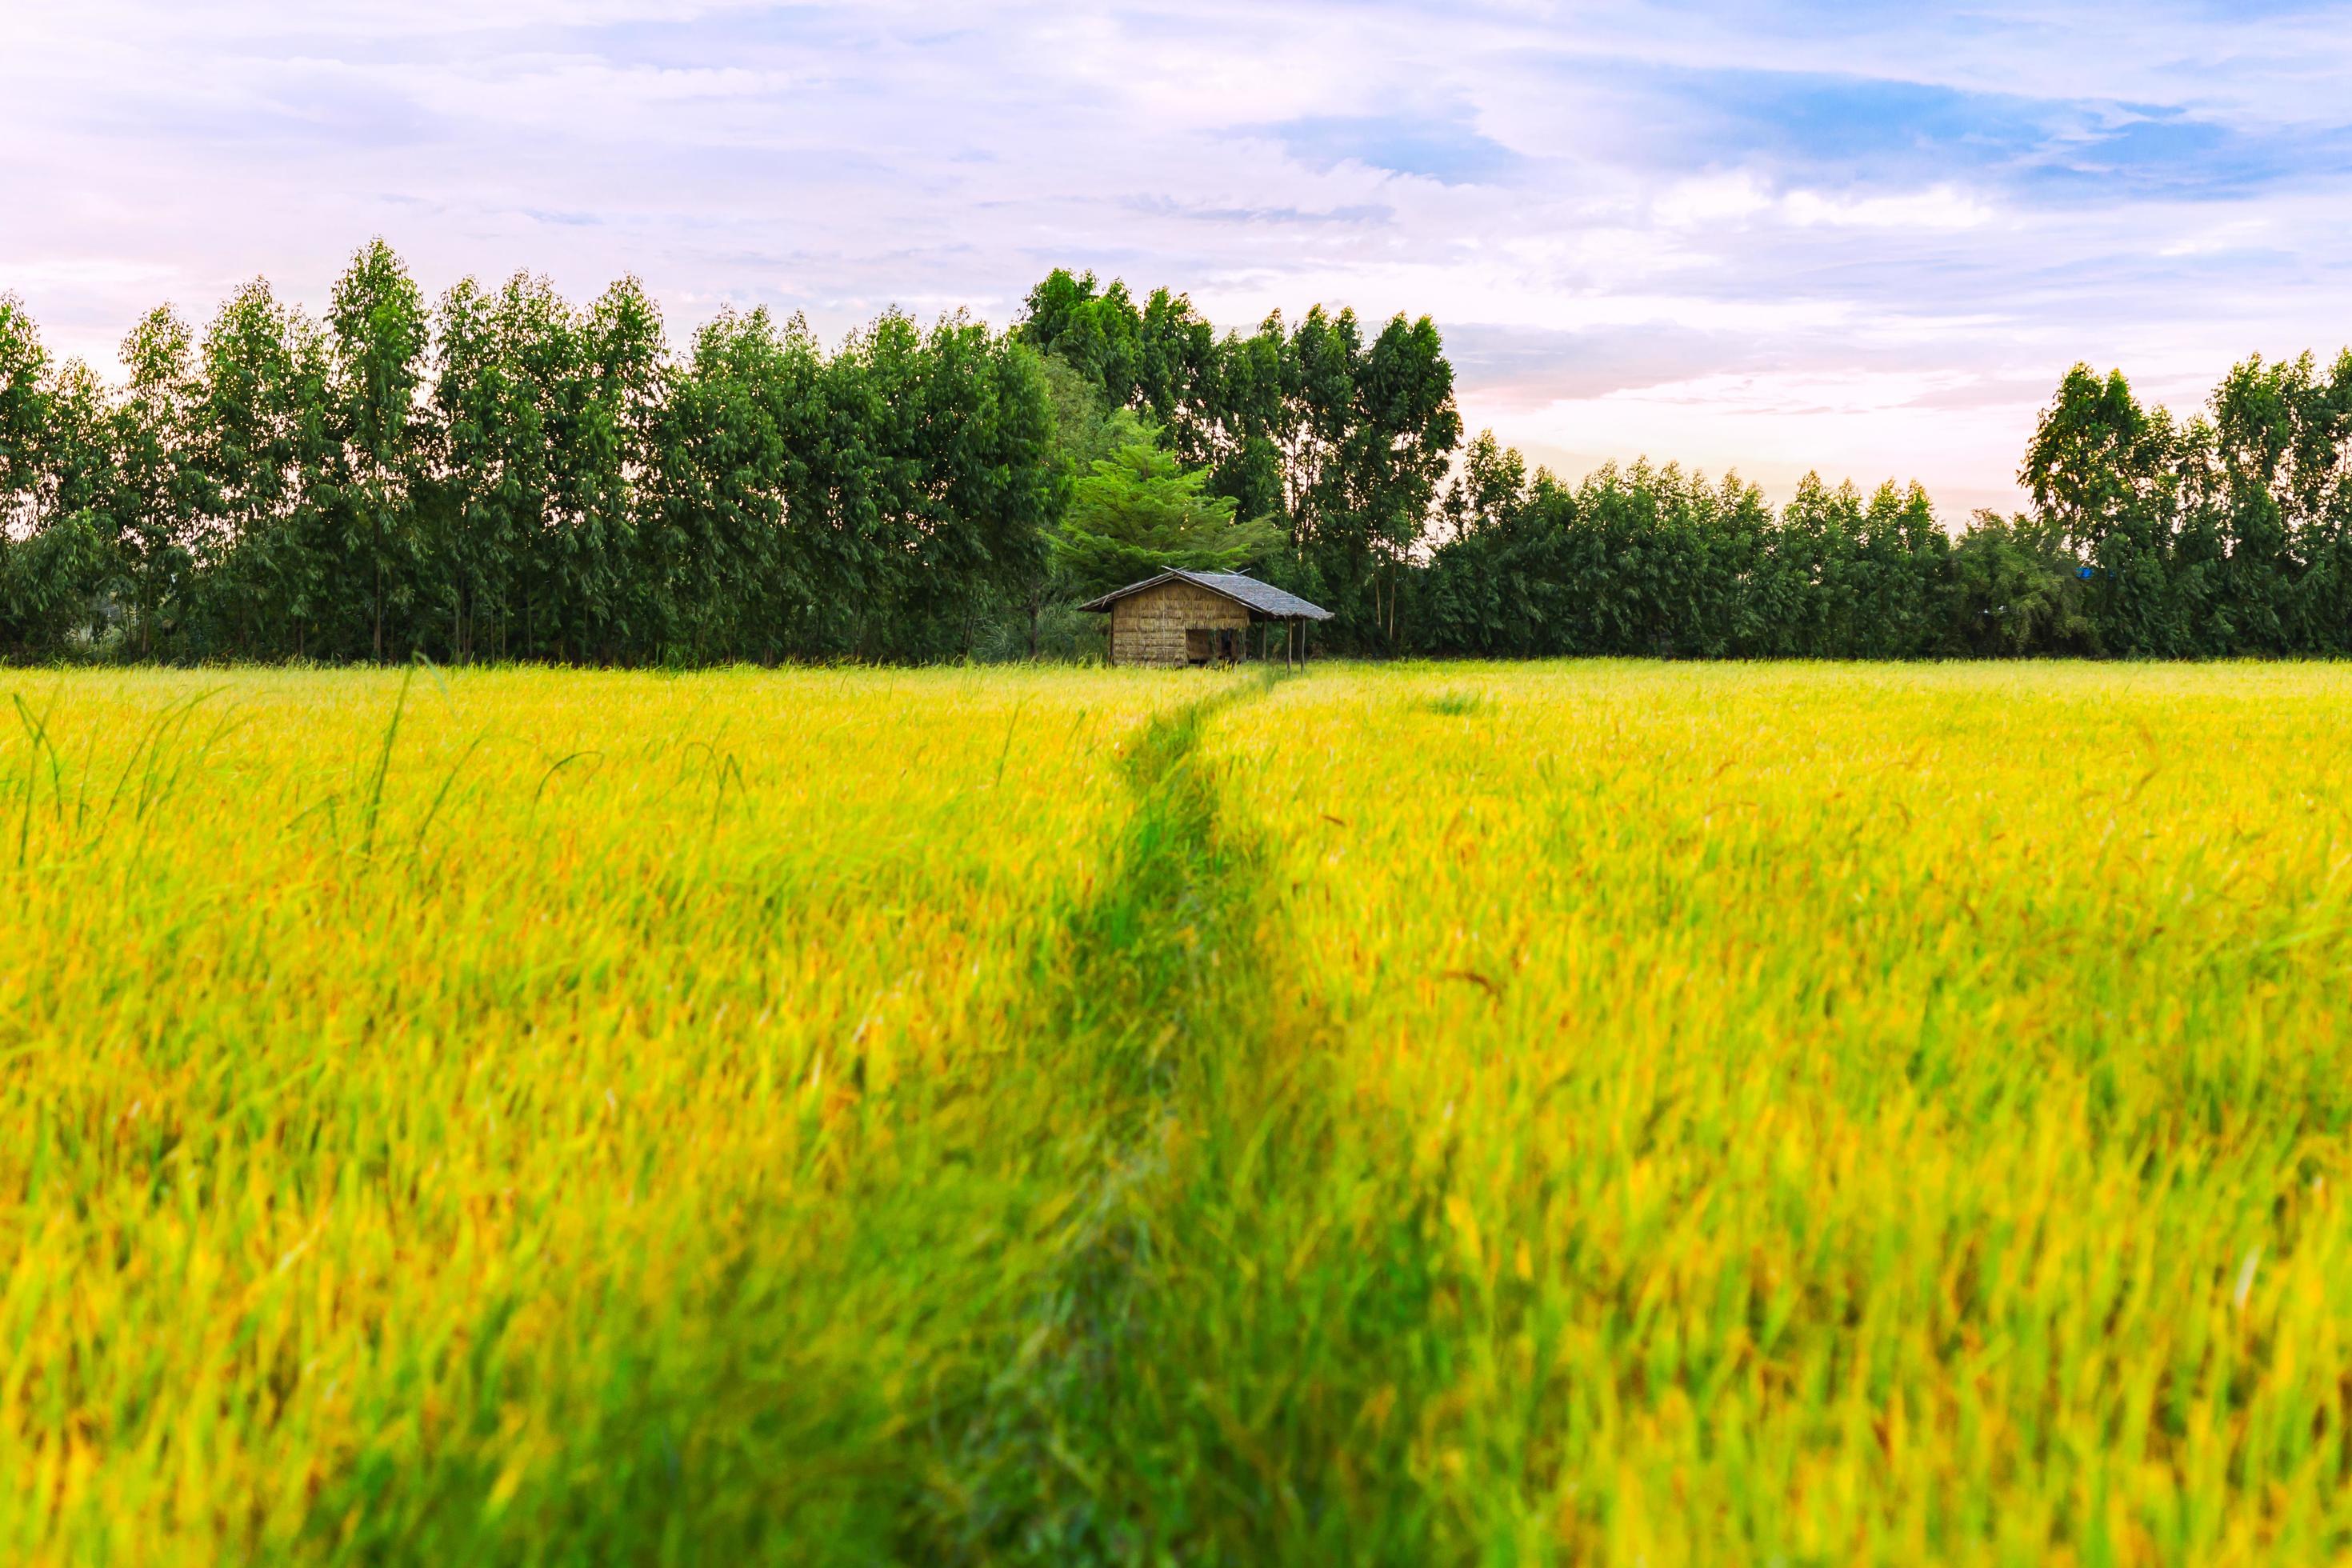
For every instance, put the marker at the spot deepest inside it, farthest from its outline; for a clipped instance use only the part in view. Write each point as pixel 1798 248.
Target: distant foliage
pixel 1139 510
pixel 2231 534
pixel 504 475
pixel 1349 441
pixel 1662 562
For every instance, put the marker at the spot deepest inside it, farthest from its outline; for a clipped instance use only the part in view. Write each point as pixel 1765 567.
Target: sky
pixel 1859 238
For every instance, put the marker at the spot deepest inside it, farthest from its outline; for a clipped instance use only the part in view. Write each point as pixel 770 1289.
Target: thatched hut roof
pixel 1263 598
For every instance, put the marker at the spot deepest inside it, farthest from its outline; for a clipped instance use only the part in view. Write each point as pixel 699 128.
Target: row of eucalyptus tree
pixel 501 474
pixel 2228 533
pixel 1658 561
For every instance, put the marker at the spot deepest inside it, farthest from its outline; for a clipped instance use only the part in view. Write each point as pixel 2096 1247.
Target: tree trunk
pixel 375 543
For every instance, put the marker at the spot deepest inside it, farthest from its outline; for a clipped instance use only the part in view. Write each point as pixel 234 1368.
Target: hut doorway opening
pixel 1215 645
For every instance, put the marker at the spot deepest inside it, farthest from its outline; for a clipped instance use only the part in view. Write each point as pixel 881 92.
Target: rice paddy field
pixel 1587 1113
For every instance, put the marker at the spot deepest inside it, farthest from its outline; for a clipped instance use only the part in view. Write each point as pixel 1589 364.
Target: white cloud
pixel 1713 199
pixel 1800 391
pixel 1939 208
pixel 2215 239
pixel 1741 199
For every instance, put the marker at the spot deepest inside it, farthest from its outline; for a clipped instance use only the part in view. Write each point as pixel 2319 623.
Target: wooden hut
pixel 1205 617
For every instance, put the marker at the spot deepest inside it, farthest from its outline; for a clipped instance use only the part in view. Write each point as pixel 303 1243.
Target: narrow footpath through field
pixel 1201 1351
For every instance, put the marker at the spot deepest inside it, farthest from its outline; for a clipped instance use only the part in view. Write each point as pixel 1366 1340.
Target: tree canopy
pixel 1139 510
pixel 501 473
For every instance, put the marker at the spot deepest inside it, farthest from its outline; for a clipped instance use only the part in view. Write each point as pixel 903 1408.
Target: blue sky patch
pixel 1445 149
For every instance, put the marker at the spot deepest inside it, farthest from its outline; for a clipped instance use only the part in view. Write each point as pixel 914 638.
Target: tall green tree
pixel 484 418
pixel 53 561
pixel 1092 327
pixel 624 363
pixel 380 336
pixel 2014 588
pixel 2274 486
pixel 1086 430
pixel 163 494
pixel 1498 581
pixel 2104 471
pixel 1139 511
pixel 24 416
pixel 2320 485
pixel 271 464
pixel 970 519
pixel 553 455
pixel 760 436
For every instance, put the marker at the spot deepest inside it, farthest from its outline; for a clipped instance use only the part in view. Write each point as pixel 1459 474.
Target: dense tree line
pixel 2230 535
pixel 1344 438
pixel 2223 535
pixel 501 474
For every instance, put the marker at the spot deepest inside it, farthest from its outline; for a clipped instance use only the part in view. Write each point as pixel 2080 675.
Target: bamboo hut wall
pixel 1148 628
